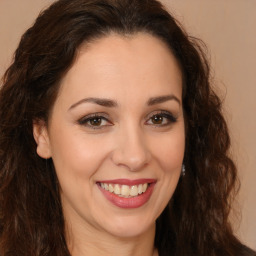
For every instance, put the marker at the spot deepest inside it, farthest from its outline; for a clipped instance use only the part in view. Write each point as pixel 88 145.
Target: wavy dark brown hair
pixel 195 222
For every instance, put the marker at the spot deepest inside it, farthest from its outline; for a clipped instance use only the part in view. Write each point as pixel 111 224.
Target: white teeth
pixel 125 190
pixel 117 189
pixel 144 188
pixel 134 191
pixel 140 189
pixel 110 188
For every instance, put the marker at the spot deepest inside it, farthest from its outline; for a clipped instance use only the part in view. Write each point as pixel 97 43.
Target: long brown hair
pixel 195 222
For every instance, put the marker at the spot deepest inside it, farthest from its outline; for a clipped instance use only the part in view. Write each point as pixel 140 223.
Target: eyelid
pixel 85 119
pixel 169 116
pixel 166 114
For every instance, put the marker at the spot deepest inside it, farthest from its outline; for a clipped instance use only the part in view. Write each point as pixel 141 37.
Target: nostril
pixel 131 152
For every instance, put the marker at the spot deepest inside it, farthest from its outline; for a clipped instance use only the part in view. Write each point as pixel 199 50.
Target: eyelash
pixel 166 116
pixel 85 120
pixel 170 118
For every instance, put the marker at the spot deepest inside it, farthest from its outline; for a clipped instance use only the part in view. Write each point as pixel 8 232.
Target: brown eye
pixel 157 119
pixel 161 118
pixel 96 121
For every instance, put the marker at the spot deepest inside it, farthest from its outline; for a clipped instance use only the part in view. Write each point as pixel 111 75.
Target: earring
pixel 183 170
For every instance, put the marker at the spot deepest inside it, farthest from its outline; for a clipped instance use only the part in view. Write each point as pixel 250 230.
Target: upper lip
pixel 128 181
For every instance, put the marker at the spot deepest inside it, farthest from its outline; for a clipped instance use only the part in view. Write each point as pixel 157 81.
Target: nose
pixel 131 150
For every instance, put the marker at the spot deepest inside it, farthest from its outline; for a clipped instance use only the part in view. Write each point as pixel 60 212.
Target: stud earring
pixel 183 170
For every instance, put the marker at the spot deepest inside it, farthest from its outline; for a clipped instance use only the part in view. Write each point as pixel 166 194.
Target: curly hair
pixel 195 222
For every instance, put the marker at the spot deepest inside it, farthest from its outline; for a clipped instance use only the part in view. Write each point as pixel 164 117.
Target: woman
pixel 111 139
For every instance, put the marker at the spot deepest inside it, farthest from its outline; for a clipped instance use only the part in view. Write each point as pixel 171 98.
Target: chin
pixel 130 226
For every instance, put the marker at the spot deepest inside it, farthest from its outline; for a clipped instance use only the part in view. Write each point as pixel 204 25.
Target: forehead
pixel 116 64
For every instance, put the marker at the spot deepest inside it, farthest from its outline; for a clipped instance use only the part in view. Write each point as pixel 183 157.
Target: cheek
pixel 170 151
pixel 169 154
pixel 76 156
pixel 76 159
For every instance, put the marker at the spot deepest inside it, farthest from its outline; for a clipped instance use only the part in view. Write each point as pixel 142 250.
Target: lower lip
pixel 131 202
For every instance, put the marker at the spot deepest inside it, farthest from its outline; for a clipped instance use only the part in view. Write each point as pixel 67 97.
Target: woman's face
pixel 116 135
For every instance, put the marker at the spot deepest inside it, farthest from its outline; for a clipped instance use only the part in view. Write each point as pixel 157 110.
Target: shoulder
pixel 245 251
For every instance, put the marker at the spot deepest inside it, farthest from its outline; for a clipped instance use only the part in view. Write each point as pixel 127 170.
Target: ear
pixel 41 137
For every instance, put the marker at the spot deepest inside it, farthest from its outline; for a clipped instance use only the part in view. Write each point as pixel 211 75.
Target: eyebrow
pixel 112 103
pixel 162 99
pixel 99 101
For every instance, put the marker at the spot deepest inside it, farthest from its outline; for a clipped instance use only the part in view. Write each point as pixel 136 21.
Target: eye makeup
pixel 95 121
pixel 161 118
pixel 100 120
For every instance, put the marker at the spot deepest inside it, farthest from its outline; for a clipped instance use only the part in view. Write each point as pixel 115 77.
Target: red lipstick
pixel 128 202
pixel 128 182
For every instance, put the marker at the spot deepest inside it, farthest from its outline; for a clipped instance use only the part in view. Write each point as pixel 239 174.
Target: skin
pixel 127 143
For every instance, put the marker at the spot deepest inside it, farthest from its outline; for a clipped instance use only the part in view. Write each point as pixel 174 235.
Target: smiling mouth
pixel 125 191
